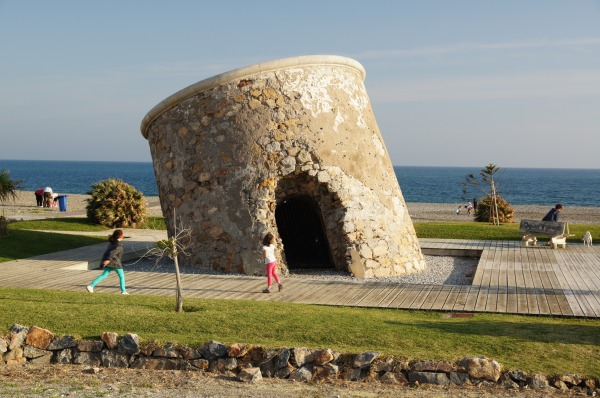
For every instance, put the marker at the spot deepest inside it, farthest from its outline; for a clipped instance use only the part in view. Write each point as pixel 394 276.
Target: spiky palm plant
pixel 116 204
pixel 8 186
pixel 8 189
pixel 486 210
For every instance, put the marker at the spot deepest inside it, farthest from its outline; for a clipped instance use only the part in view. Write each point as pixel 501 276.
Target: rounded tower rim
pixel 240 73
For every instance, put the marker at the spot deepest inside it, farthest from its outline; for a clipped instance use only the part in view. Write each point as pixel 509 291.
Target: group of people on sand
pixel 470 206
pixel 111 261
pixel 44 197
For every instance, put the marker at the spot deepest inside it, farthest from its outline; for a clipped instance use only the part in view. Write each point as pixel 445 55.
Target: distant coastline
pixel 419 184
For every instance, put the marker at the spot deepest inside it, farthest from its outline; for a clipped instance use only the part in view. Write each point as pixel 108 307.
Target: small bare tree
pixel 176 245
pixel 492 208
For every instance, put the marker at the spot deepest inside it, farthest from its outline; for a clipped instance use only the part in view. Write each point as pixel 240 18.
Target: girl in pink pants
pixel 270 261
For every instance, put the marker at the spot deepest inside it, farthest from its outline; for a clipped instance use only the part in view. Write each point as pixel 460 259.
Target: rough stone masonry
pixel 290 147
pixel 250 363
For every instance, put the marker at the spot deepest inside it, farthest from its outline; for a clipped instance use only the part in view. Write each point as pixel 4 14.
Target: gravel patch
pixel 441 270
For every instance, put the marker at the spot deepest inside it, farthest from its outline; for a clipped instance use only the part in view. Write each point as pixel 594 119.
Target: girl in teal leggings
pixel 111 261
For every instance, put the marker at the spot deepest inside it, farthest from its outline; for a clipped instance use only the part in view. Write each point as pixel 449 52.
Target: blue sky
pixel 452 83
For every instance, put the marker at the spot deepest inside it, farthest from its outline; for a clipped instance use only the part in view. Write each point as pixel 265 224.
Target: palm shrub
pixel 485 210
pixel 8 186
pixel 8 190
pixel 116 204
pixel 494 208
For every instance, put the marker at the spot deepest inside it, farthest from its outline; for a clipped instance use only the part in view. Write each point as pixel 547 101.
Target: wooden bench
pixel 556 230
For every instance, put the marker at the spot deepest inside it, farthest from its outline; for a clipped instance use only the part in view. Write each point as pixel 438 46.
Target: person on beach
pixel 553 213
pixel 39 197
pixel 469 208
pixel 48 199
pixel 474 205
pixel 111 261
pixel 270 261
pixel 458 210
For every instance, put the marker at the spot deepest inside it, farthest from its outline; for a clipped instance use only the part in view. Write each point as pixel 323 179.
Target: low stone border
pixel 249 363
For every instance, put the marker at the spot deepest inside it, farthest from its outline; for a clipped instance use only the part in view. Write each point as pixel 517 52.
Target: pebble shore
pixel 419 212
pixel 24 206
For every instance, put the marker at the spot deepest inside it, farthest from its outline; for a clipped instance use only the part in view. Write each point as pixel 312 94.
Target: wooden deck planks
pixel 461 299
pixel 486 265
pixel 585 286
pixel 502 282
pixel 536 270
pixel 520 260
pixel 348 294
pixel 328 298
pixel 511 282
pixel 532 304
pixel 510 278
pixel 548 284
pixel 422 296
pixel 451 298
pixel 406 297
pixel 571 299
pixel 377 294
pixel 389 299
pixel 442 297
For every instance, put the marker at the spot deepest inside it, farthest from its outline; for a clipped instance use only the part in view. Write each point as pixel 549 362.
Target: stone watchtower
pixel 289 147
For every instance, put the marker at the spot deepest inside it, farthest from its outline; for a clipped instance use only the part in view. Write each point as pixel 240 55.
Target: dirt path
pixel 78 381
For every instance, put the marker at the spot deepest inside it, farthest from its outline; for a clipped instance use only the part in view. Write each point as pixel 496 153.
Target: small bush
pixel 116 204
pixel 485 209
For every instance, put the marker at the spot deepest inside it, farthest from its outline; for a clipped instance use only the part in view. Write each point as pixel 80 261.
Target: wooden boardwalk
pixel 510 279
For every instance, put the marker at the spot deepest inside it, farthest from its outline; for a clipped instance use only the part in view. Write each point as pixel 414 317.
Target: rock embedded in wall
pixel 251 363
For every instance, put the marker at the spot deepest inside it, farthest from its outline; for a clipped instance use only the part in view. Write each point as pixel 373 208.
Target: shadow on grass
pixel 23 244
pixel 557 332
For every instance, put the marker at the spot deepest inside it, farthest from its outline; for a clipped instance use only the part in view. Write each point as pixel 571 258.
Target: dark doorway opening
pixel 301 229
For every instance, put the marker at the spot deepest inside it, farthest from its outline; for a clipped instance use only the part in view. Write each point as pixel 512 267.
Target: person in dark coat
pixel 111 261
pixel 39 197
pixel 553 216
pixel 553 213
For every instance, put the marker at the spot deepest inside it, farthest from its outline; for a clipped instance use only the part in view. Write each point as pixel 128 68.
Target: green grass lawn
pixel 483 231
pixel 26 240
pixel 75 224
pixel 24 244
pixel 529 343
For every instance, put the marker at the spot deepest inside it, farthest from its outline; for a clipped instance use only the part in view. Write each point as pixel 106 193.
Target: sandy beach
pixel 23 207
pixel 432 212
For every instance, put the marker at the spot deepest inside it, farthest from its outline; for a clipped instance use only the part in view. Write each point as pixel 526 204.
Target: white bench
pixel 556 230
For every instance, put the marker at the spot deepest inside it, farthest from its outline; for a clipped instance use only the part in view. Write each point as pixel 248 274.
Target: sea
pixel 519 186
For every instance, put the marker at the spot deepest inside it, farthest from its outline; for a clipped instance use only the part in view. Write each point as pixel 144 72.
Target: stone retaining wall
pixel 250 363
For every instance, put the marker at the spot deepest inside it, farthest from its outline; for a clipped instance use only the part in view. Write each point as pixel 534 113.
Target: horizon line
pixel 394 165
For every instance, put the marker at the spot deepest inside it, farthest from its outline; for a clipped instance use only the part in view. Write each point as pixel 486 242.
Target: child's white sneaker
pixel 124 293
pixel 90 289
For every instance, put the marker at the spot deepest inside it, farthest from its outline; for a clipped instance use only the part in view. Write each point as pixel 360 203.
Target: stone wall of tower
pixel 227 150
